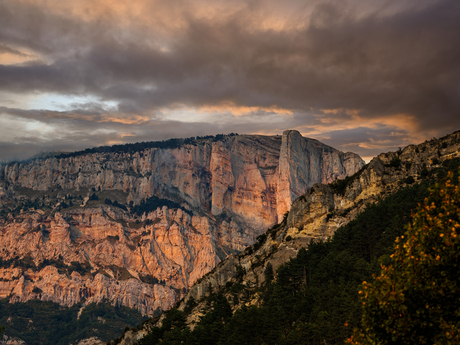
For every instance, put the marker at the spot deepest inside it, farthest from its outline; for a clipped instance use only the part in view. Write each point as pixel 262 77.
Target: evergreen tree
pixel 268 273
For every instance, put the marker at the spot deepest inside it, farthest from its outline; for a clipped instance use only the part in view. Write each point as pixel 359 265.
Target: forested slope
pixel 313 298
pixel 40 322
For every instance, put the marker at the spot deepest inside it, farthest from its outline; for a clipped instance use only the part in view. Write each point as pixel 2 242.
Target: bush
pixel 424 172
pixel 395 162
pixel 117 204
pixel 93 197
pixel 37 290
pixel 409 180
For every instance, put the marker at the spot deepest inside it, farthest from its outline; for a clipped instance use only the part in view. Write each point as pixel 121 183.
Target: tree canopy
pixel 416 297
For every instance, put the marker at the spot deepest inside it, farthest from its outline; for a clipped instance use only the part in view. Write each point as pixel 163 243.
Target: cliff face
pixel 299 158
pixel 254 177
pixel 315 215
pixel 59 243
pixel 319 212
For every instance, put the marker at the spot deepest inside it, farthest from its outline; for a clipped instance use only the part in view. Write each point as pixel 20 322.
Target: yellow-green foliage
pixel 416 298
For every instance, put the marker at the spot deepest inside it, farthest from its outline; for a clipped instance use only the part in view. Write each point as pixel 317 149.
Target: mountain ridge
pixel 69 234
pixel 315 216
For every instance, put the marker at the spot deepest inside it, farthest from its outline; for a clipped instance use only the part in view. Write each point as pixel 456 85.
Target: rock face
pixel 59 243
pixel 299 159
pixel 315 215
pixel 319 212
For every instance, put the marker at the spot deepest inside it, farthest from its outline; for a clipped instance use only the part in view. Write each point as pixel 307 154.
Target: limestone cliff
pixel 315 215
pixel 70 233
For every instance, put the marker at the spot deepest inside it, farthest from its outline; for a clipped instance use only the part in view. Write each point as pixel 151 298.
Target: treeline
pixel 115 204
pixel 314 297
pixel 152 203
pixel 136 147
pixel 27 262
pixel 38 322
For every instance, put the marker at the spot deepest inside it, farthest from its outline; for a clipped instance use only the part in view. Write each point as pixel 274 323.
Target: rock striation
pixel 60 241
pixel 315 215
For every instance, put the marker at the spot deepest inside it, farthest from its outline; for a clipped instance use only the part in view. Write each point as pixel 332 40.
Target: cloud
pixel 352 69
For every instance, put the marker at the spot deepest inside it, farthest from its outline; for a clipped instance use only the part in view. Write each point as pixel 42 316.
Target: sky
pixel 359 75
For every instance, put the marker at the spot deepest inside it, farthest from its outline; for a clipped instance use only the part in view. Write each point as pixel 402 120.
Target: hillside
pixel 138 225
pixel 349 229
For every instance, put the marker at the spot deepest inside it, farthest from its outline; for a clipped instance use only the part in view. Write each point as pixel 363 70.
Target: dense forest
pixel 38 322
pixel 312 299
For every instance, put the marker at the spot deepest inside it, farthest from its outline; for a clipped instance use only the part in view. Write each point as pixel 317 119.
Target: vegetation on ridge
pixel 136 147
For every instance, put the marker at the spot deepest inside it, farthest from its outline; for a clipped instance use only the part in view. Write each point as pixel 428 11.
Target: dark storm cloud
pixel 326 62
pixel 83 129
pixel 89 126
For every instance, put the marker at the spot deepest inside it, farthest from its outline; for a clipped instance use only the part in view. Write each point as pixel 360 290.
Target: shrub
pixel 93 197
pixel 37 290
pixel 395 162
pixel 409 180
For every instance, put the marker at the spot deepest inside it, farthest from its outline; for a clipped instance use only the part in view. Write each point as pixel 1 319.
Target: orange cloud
pixel 126 120
pixel 354 119
pixel 167 16
pixel 237 110
pixel 13 56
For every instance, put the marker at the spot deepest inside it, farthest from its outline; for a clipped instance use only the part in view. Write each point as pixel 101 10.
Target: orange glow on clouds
pixel 237 110
pixel 126 119
pixel 16 56
pixel 167 16
pixel 353 119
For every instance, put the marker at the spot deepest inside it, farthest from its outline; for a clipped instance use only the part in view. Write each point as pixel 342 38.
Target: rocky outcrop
pixel 299 159
pixel 5 340
pixel 229 191
pixel 315 215
pixel 99 259
pixel 49 284
pixel 90 341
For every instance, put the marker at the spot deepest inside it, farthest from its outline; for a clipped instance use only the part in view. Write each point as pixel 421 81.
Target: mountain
pixel 348 228
pixel 137 225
